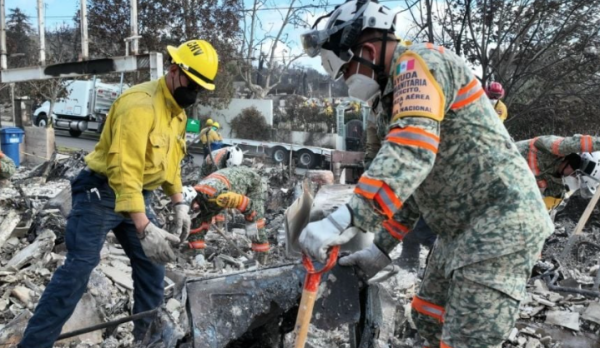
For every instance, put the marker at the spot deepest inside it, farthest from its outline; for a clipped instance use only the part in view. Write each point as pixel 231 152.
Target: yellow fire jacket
pixel 142 145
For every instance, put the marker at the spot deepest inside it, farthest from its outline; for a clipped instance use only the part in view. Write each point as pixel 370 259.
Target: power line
pixel 303 7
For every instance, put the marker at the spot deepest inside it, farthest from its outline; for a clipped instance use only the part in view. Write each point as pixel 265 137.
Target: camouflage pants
pixel 477 305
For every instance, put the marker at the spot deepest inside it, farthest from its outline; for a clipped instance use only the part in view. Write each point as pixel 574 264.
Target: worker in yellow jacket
pixel 212 140
pixel 495 92
pixel 140 150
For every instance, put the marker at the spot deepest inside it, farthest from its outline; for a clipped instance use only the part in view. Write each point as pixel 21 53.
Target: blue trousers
pixel 91 218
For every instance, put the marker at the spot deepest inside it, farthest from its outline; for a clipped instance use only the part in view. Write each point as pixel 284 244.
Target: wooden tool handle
pixel 303 319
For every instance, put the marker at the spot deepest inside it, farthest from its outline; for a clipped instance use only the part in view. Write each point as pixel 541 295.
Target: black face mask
pixel 186 96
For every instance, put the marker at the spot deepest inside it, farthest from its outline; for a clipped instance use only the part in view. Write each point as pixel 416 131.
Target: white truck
pixel 84 108
pixel 306 156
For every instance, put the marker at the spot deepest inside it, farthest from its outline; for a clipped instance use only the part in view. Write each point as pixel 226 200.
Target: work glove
pixel 155 242
pixel 369 261
pixel 336 229
pixel 252 230
pixel 183 221
pixel 229 200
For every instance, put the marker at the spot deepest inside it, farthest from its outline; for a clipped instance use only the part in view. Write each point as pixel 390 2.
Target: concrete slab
pixel 86 314
pixel 566 319
pixel 592 313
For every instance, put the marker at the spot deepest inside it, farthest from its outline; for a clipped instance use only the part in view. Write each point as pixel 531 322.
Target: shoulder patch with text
pixel 416 93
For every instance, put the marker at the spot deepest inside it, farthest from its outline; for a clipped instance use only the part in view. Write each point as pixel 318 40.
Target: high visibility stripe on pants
pixel 429 309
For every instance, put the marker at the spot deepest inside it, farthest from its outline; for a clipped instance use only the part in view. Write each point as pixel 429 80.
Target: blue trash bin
pixel 11 138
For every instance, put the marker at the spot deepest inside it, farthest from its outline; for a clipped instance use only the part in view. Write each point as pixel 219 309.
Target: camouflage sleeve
pixel 404 222
pixel 7 168
pixel 410 146
pixel 560 146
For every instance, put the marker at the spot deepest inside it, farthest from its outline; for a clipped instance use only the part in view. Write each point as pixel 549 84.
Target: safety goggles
pixel 313 40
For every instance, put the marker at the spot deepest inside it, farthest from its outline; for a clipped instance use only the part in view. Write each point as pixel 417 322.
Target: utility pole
pixel 42 31
pixel 134 28
pixel 3 62
pixel 85 53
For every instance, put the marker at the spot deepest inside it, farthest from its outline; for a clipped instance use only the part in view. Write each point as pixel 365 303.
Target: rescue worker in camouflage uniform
pixel 7 166
pixel 239 188
pixel 552 159
pixel 447 156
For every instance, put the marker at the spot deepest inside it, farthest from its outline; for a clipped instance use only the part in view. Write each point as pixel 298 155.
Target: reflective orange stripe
pixel 220 217
pixel 219 155
pixel 396 229
pixel 261 247
pixel 203 227
pixel 260 223
pixel 429 309
pixel 444 345
pixel 414 136
pixel 532 157
pixel 251 216
pixel 435 47
pixel 222 178
pixel 211 191
pixel 468 94
pixel 244 204
pixel 556 146
pixel 199 244
pixel 586 143
pixel 380 192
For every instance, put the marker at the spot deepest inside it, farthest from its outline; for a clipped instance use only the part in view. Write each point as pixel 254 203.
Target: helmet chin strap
pixel 381 75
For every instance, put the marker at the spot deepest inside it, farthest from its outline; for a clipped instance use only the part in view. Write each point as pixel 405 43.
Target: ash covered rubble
pixel 231 301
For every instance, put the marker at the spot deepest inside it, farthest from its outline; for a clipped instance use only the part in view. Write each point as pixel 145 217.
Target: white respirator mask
pixel 362 87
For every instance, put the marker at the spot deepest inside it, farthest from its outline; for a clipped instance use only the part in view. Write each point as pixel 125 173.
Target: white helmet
pixel 235 157
pixel 342 31
pixel 590 173
pixel 189 194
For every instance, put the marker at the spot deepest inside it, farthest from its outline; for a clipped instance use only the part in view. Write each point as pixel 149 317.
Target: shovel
pixel 309 295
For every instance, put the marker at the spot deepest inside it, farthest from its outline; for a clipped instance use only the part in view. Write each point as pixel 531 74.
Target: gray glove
pixel 183 222
pixel 252 230
pixel 317 237
pixel 155 242
pixel 369 261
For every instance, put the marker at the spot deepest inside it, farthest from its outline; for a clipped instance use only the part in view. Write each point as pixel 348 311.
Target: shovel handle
pixel 309 294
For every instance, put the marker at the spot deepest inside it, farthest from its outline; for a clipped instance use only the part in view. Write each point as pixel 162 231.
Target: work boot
pixel 261 257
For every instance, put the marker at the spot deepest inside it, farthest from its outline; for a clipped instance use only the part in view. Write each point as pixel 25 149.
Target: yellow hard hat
pixel 216 125
pixel 209 122
pixel 198 59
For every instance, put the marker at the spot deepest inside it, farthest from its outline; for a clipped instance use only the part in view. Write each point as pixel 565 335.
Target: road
pixel 87 142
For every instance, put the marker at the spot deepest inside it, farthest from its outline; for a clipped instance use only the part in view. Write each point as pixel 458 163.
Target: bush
pixel 250 124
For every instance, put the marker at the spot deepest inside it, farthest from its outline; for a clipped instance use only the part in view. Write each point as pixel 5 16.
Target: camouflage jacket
pixel 544 154
pixel 7 166
pixel 445 147
pixel 208 167
pixel 242 180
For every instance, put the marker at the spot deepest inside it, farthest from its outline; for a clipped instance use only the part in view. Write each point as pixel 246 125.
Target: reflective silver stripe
pixel 368 187
pixel 435 311
pixel 413 136
pixel 388 201
pixel 464 96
